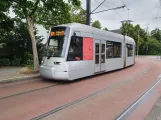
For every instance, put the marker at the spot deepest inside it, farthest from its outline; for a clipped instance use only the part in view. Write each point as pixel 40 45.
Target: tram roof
pixel 90 29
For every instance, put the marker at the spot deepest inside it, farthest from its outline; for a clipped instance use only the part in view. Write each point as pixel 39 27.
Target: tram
pixel 75 51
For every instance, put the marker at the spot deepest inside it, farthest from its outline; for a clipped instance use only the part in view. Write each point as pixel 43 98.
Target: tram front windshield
pixel 56 45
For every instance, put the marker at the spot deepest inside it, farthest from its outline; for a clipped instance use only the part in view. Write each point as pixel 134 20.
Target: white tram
pixel 75 51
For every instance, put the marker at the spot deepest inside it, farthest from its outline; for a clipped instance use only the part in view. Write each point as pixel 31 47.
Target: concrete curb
pixel 15 79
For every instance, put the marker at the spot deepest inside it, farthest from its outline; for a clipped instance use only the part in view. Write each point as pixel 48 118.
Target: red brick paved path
pixel 100 107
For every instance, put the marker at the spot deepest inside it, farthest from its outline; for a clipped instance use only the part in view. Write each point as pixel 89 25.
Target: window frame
pixel 132 48
pixel 120 53
pixel 65 41
pixel 113 43
pixel 81 38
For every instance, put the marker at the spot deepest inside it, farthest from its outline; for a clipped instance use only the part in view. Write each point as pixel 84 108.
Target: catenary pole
pixel 138 44
pixel 88 16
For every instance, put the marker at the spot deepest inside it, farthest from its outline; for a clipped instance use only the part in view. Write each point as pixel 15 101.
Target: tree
pixel 127 29
pixel 156 34
pixel 106 29
pixel 147 44
pixel 18 47
pixel 44 12
pixel 6 23
pixel 96 24
pixel 78 14
pixel 132 31
pixel 154 46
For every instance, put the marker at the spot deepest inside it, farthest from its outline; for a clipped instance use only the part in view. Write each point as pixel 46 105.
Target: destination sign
pixel 57 33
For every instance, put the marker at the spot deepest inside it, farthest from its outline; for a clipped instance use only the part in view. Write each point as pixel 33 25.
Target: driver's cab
pixel 61 48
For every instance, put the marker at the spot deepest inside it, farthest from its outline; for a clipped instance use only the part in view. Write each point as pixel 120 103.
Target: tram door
pixel 100 56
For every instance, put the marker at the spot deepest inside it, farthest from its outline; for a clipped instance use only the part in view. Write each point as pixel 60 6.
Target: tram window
pixel 96 59
pixel 102 58
pixel 96 53
pixel 75 49
pixel 97 48
pixel 113 49
pixel 116 50
pixel 130 50
pixel 103 48
pixel 55 47
pixel 109 49
pixel 57 42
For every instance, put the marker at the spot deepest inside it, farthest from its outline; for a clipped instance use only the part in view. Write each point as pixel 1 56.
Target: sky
pixel 143 12
pixel 140 12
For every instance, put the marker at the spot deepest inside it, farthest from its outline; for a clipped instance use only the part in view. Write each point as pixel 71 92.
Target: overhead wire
pixel 124 4
pixel 117 13
pixel 109 7
pixel 147 24
pixel 158 12
pixel 101 3
pixel 125 7
pixel 98 6
pixel 133 3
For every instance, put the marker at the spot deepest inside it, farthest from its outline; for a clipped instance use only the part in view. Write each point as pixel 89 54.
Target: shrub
pixel 4 62
pixel 29 62
pixel 16 61
pixel 28 58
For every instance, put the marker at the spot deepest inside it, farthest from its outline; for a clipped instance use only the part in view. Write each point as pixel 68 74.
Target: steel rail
pixel 124 114
pixel 90 95
pixel 23 82
pixel 29 91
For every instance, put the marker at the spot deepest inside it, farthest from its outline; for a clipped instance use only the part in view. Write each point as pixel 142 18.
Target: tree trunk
pixel 33 40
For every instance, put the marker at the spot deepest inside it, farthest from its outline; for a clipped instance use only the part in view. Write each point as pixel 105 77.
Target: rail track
pixel 124 114
pixel 88 96
pixel 5 85
pixel 28 91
